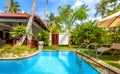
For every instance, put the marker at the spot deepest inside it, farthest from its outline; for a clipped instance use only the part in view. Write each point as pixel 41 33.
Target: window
pixel 1 34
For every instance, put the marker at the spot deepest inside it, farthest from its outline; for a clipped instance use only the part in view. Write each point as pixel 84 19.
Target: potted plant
pixel 40 41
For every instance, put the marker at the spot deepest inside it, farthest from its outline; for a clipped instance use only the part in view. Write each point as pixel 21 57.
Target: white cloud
pixel 77 4
pixel 96 18
pixel 1 11
pixel 90 2
pixel 77 22
pixel 91 18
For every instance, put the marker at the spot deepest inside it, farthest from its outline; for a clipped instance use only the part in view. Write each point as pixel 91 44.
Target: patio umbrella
pixel 110 21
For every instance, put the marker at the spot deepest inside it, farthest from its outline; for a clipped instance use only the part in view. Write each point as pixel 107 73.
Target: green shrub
pixel 7 46
pixel 18 31
pixel 86 33
pixel 44 36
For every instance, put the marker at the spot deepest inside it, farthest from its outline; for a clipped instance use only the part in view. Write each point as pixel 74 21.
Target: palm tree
pixel 68 17
pixel 51 21
pixel 9 6
pixel 51 18
pixel 45 10
pixel 81 10
pixel 65 15
pixel 20 42
pixel 54 24
pixel 113 3
pixel 101 8
pixel 13 7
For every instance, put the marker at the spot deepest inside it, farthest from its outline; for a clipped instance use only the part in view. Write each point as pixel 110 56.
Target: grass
pixel 55 47
pixel 112 60
pixel 19 51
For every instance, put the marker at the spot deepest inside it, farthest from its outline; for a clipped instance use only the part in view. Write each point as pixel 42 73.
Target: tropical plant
pixel 77 13
pixel 65 15
pixel 54 24
pixel 18 31
pixel 44 36
pixel 110 12
pixel 12 7
pixel 29 24
pixel 45 11
pixel 68 17
pixel 113 3
pixel 86 33
pixel 101 8
pixel 9 5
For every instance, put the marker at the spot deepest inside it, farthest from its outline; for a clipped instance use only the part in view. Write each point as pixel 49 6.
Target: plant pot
pixel 40 45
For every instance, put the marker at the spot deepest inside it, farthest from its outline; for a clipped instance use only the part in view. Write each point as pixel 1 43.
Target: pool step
pixel 79 63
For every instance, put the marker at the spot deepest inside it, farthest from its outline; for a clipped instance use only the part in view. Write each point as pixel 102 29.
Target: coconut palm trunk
pixel 45 11
pixel 29 25
pixel 9 6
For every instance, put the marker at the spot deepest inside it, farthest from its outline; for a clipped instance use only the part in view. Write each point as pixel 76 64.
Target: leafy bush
pixel 7 46
pixel 86 33
pixel 44 36
pixel 18 31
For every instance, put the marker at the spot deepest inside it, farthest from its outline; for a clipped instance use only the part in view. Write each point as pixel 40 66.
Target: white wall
pixel 63 39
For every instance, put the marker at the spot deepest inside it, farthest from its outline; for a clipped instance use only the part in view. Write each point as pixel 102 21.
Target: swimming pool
pixel 48 62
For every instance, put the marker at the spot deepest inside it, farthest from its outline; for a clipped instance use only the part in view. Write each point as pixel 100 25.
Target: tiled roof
pixel 24 16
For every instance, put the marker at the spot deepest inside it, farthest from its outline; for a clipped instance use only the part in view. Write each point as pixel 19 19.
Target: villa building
pixel 8 20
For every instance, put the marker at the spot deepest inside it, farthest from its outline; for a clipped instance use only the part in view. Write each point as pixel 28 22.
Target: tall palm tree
pixel 68 17
pixel 51 18
pixel 45 11
pixel 65 15
pixel 81 10
pixel 113 3
pixel 101 8
pixel 110 12
pixel 12 7
pixel 20 42
pixel 15 7
pixel 9 6
pixel 54 24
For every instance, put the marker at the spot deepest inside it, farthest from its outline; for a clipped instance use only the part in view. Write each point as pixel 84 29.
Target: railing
pixel 107 69
pixel 79 62
pixel 87 48
pixel 95 48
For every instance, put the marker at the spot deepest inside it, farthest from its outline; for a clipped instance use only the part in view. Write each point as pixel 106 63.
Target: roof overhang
pixel 24 16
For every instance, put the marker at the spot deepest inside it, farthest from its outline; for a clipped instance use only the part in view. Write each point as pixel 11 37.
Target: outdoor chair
pixel 114 47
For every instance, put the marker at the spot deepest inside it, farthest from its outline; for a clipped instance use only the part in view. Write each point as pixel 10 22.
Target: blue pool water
pixel 52 62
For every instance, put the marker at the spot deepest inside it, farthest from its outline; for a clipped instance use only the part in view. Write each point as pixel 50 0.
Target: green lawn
pixel 19 51
pixel 112 60
pixel 55 47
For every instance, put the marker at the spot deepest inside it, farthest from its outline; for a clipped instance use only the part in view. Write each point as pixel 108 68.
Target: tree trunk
pixel 29 25
pixel 45 11
pixel 9 6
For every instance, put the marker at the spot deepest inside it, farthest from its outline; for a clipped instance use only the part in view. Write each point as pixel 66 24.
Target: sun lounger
pixel 114 47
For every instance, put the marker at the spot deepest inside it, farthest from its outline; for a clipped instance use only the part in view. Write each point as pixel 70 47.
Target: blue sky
pixel 53 5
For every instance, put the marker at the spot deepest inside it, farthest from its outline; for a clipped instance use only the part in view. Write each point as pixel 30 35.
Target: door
pixel 55 39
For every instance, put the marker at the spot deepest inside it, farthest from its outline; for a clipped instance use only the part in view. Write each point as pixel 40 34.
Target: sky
pixel 26 5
